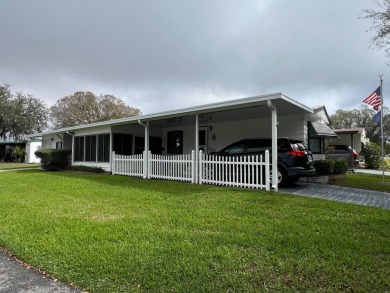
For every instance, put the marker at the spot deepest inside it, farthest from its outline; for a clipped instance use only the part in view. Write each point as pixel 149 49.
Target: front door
pixel 175 142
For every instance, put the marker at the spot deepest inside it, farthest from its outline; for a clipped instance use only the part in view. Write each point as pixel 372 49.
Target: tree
pixel 86 108
pixel 20 114
pixel 363 118
pixel 381 24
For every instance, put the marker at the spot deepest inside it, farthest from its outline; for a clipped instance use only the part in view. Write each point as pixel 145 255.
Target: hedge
pixel 52 159
pixel 340 167
pixel 87 169
pixel 324 167
pixel 327 167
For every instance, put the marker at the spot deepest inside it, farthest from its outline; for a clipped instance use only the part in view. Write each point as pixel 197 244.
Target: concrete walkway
pixel 20 169
pixel 368 171
pixel 17 278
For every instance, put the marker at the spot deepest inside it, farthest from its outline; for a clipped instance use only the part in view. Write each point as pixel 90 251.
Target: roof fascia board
pixel 296 103
pixel 219 106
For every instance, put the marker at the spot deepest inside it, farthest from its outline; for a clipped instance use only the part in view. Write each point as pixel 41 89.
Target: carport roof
pixel 284 105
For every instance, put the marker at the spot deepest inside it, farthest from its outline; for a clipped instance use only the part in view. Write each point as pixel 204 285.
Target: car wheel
pixel 281 175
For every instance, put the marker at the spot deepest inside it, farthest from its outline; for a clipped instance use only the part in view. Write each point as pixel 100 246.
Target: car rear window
pixel 298 146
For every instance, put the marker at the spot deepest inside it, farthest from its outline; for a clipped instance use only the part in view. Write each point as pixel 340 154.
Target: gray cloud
pixel 160 55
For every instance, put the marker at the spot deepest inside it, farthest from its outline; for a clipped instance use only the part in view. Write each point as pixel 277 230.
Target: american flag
pixel 374 99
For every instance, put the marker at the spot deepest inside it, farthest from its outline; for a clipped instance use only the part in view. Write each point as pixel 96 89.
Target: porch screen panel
pixel 79 148
pixel 90 148
pixel 104 148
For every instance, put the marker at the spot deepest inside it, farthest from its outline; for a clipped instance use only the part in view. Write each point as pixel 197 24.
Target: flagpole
pixel 383 159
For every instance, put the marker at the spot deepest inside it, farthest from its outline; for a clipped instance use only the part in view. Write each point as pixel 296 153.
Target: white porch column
pixel 274 153
pixel 146 149
pixel 196 148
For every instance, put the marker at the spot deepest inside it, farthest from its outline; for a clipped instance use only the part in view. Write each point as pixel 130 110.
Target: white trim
pixel 216 107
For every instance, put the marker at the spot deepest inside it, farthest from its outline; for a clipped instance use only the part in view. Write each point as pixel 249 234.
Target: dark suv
pixel 295 160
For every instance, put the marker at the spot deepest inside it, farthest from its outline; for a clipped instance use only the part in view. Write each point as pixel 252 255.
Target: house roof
pixel 284 104
pixel 320 129
pixel 323 114
pixel 349 130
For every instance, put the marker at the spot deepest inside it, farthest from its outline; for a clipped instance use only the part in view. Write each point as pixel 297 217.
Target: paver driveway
pixel 340 193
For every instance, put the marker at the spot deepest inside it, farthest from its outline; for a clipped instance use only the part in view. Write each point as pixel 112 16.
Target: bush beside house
pixel 329 170
pixel 53 160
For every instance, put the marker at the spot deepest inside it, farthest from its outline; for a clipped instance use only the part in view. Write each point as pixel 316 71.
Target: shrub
pixel 53 160
pixel 340 167
pixel 324 167
pixel 372 155
pixel 86 169
pixel 18 153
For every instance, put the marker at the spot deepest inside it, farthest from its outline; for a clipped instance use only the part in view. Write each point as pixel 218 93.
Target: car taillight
pixel 355 155
pixel 297 153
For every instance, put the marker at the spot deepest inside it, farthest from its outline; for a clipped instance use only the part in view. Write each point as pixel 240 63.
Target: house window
pixel 175 142
pixel 122 144
pixel 104 148
pixel 59 145
pixel 315 145
pixel 79 148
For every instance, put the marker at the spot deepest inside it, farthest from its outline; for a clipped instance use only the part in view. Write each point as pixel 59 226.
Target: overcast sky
pixel 171 54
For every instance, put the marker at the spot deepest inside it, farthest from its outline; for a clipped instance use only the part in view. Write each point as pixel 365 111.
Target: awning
pixel 320 129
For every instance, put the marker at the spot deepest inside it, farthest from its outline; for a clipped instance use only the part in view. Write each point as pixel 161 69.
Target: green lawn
pixel 4 166
pixel 119 234
pixel 365 181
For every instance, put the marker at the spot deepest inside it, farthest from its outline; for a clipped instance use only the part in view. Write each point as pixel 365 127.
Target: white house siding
pixel 49 140
pixel 31 148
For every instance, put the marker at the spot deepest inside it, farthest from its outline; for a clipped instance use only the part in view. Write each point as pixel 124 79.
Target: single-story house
pixel 177 132
pixel 30 146
pixel 350 136
pixel 319 131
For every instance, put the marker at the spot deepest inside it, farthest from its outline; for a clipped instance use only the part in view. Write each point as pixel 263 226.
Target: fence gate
pixel 175 167
pixel 128 165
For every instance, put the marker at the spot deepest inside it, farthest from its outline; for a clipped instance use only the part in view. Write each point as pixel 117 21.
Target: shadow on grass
pixel 139 183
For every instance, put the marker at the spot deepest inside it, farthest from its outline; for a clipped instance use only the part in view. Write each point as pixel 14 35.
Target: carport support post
pixel 196 149
pixel 274 153
pixel 146 149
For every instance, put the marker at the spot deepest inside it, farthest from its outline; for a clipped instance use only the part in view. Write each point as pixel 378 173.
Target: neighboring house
pixel 30 147
pixel 319 130
pixel 207 127
pixel 350 136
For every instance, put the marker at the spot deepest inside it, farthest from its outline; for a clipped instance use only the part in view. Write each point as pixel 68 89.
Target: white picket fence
pixel 174 167
pixel 128 165
pixel 249 172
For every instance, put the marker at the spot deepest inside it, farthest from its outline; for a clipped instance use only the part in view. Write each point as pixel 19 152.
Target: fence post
pixel 267 179
pixel 200 169
pixel 193 163
pixel 149 163
pixel 144 164
pixel 113 163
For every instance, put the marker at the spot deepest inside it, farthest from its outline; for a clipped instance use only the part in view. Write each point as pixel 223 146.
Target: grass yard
pixel 365 181
pixel 119 234
pixel 5 166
